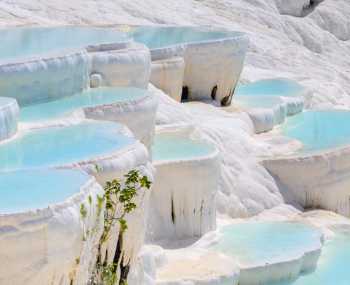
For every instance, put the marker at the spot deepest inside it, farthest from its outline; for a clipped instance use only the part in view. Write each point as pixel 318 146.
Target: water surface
pixel 174 147
pixel 32 189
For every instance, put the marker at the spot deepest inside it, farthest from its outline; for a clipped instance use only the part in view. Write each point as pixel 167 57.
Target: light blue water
pixel 333 265
pixel 270 87
pixel 61 145
pixel 26 42
pixel 266 242
pixel 172 147
pixel 33 189
pixel 319 130
pixel 262 102
pixel 63 107
pixel 159 37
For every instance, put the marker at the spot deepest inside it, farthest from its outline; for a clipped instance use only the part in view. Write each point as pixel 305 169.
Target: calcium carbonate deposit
pixel 235 111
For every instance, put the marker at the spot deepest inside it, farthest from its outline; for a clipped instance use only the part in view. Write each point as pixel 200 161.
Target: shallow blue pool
pixel 27 42
pixel 263 101
pixel 266 242
pixel 94 97
pixel 270 87
pixel 333 265
pixel 32 189
pixel 173 147
pixel 319 130
pixel 159 37
pixel 56 146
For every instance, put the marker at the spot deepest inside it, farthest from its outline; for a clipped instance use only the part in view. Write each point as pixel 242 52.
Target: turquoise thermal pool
pixel 175 147
pixel 17 43
pixel 95 97
pixel 266 242
pixel 264 102
pixel 332 266
pixel 270 87
pixel 319 130
pixel 25 190
pixel 160 37
pixel 57 146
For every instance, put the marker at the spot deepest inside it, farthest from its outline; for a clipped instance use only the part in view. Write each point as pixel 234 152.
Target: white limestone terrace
pixel 41 230
pixel 213 59
pixel 183 199
pixel 317 174
pixel 9 112
pixel 133 107
pixel 268 102
pixel 38 64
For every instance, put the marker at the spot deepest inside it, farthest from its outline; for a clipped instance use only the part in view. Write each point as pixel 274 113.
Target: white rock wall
pixel 46 78
pixel 168 75
pixel 183 199
pixel 315 181
pixel 129 66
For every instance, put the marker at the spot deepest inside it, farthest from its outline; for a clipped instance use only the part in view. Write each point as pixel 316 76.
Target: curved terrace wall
pixel 182 203
pixel 202 50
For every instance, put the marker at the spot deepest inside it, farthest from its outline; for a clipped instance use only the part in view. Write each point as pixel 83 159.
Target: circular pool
pixel 177 147
pixel 26 190
pixel 93 98
pixel 319 130
pixel 19 43
pixel 270 87
pixel 268 252
pixel 161 37
pixel 56 146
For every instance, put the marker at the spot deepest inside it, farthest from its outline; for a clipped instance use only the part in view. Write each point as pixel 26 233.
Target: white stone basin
pixel 41 229
pixel 183 196
pixel 317 175
pixel 213 58
pixel 268 252
pixel 133 107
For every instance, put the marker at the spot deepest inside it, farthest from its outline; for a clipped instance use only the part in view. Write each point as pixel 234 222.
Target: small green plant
pixel 118 200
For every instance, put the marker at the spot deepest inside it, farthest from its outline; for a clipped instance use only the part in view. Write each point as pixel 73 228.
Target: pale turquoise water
pixel 61 145
pixel 333 265
pixel 33 189
pixel 172 147
pixel 94 97
pixel 266 242
pixel 159 37
pixel 262 102
pixel 26 42
pixel 270 87
pixel 319 130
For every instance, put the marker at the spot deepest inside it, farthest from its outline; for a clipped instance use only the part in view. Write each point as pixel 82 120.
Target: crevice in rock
pixel 185 93
pixel 172 210
pixel 213 92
